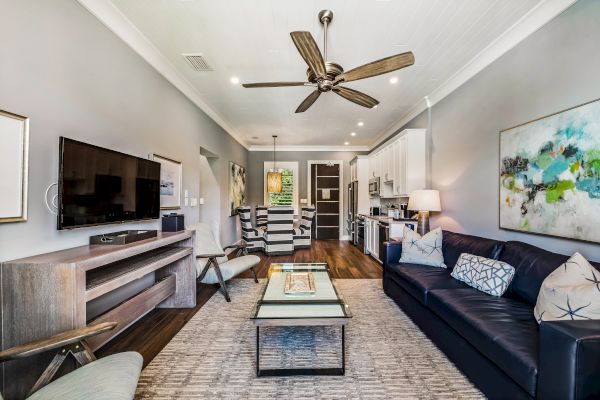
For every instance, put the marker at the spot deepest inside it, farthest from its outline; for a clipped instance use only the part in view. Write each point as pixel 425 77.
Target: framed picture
pixel 14 154
pixel 550 175
pixel 170 182
pixel 237 187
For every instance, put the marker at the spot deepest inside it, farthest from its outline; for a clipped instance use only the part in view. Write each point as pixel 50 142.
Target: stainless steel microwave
pixel 374 187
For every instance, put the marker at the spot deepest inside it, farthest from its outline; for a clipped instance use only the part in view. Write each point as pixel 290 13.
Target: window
pixel 289 192
pixel 286 197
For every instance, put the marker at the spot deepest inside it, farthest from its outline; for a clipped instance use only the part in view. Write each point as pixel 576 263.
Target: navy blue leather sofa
pixel 495 341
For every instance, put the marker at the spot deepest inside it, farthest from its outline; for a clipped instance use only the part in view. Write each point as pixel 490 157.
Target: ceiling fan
pixel 326 76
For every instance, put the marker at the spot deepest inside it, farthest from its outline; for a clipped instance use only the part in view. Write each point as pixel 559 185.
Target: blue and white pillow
pixel 570 292
pixel 484 274
pixel 425 250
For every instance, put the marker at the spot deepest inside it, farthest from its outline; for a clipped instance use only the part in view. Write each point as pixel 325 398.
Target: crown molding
pixel 307 148
pixel 544 12
pixel 107 13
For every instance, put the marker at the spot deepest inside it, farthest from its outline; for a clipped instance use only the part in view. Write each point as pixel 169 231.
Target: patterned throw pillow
pixel 571 291
pixel 484 274
pixel 426 250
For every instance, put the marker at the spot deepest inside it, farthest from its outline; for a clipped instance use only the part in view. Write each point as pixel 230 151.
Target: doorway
pixel 325 192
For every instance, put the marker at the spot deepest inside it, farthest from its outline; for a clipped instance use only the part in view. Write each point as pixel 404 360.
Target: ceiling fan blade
pixel 308 101
pixel 273 84
pixel 355 96
pixel 378 67
pixel 308 49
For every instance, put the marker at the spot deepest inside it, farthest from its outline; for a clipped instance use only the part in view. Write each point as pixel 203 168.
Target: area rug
pixel 387 356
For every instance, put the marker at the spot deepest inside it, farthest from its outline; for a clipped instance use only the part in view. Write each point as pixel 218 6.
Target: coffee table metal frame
pixel 300 321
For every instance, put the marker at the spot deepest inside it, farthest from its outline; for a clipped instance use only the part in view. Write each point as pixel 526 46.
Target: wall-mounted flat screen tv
pixel 101 186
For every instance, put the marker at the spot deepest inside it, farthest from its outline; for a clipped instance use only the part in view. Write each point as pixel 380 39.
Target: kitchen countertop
pixel 387 220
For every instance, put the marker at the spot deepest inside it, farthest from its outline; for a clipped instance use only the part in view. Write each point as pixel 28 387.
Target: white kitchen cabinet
pixel 400 164
pixel 413 163
pixel 372 237
pixel 396 152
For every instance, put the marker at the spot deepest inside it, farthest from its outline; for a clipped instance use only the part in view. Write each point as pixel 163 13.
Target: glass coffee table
pixel 321 305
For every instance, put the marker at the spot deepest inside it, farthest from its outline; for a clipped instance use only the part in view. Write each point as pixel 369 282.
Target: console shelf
pixel 43 295
pixel 133 309
pixel 100 281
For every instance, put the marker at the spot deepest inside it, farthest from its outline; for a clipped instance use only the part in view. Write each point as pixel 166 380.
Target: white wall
pixel 73 77
pixel 553 69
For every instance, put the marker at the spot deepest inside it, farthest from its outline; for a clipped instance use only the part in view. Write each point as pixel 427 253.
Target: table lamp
pixel 424 201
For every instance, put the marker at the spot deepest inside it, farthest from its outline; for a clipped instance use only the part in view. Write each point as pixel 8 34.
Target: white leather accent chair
pixel 114 377
pixel 212 264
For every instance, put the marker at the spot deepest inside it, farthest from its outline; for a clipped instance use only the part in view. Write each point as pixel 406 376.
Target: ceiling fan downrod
pixel 325 16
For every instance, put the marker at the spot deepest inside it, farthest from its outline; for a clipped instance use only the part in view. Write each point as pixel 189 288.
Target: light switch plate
pixel 201 200
pixel 193 202
pixel 186 202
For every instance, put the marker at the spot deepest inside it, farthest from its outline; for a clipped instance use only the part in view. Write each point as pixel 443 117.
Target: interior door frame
pixel 341 190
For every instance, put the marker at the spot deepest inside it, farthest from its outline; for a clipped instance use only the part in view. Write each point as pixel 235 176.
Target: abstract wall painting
pixel 550 175
pixel 171 172
pixel 237 187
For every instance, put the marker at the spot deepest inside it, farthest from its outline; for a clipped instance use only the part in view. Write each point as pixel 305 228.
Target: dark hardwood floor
pixel 150 335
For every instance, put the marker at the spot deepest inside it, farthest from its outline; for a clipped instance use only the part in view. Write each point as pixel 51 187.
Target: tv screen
pixel 101 186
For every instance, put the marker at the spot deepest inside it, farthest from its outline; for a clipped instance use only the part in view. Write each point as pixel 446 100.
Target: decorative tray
pixel 299 283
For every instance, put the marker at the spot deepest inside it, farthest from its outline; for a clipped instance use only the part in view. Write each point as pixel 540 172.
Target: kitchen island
pixel 380 229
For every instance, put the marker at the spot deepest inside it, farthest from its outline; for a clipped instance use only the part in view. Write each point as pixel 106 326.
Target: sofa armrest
pixel 391 253
pixel 569 362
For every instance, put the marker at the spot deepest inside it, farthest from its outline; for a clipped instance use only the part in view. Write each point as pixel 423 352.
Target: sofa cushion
pixel 418 280
pixel 485 274
pixel 571 291
pixel 502 329
pixel 532 265
pixel 457 243
pixel 422 250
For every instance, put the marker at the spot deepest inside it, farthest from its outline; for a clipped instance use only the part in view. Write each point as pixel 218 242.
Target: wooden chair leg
pixel 85 355
pixel 82 353
pixel 50 371
pixel 220 276
pixel 205 269
pixel 254 274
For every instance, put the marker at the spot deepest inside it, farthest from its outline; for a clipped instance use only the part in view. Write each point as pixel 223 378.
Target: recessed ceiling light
pixel 394 80
pixel 346 143
pixel 360 123
pixel 353 134
pixel 234 80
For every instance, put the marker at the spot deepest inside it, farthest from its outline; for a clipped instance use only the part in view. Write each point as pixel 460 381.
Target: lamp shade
pixel 274 184
pixel 424 200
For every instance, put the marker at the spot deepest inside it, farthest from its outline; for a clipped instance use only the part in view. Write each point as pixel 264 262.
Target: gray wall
pixel 553 69
pixel 73 77
pixel 256 161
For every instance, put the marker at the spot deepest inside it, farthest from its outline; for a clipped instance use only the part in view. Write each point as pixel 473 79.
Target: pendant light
pixel 274 183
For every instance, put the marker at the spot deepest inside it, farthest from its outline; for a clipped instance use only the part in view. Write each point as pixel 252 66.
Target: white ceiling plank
pixel 451 40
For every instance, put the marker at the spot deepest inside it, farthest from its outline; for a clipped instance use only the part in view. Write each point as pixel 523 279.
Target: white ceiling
pixel 250 40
